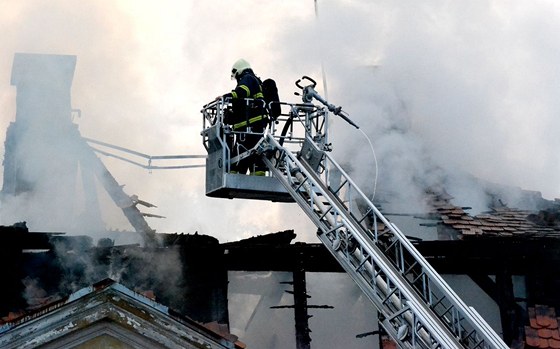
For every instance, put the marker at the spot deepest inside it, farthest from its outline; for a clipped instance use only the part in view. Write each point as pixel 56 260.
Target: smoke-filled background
pixel 442 89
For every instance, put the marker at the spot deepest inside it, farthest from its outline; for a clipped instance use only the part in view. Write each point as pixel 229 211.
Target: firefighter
pixel 247 117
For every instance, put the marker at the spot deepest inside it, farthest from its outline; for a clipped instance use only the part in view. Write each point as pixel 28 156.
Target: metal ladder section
pixel 416 306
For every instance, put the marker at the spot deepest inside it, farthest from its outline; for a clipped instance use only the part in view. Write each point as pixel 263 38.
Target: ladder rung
pixel 340 187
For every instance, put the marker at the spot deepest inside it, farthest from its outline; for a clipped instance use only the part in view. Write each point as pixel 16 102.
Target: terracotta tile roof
pixel 500 221
pixel 542 331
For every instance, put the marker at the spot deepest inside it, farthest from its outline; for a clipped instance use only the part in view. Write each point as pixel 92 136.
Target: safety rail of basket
pixel 295 122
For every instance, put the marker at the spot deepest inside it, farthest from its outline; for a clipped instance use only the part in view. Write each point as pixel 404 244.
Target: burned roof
pixel 499 221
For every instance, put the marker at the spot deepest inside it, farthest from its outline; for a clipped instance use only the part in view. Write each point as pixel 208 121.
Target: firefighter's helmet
pixel 238 67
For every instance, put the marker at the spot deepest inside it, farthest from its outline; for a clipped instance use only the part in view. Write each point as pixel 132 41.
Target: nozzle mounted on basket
pixel 309 93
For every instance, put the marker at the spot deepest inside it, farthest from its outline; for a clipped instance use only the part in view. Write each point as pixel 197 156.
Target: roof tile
pixel 532 336
pixel 553 319
pixel 554 343
pixel 556 334
pixel 543 343
pixel 545 333
pixel 543 319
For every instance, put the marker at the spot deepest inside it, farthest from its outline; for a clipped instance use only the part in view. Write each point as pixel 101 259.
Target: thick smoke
pixel 440 88
pixel 445 92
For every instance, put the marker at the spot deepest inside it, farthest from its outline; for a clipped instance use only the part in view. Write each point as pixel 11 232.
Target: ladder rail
pixel 370 269
pixel 463 315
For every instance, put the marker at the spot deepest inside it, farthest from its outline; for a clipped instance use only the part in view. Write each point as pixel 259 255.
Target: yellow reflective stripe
pixel 246 89
pixel 257 118
pixel 255 96
pixel 251 120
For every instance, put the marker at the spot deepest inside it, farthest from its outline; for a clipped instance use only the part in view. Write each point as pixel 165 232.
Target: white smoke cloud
pixel 467 86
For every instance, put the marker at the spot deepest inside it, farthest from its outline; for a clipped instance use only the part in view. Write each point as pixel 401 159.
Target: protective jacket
pixel 247 114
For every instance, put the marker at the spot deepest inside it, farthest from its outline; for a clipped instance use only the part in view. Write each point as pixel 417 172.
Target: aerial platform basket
pixel 220 182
